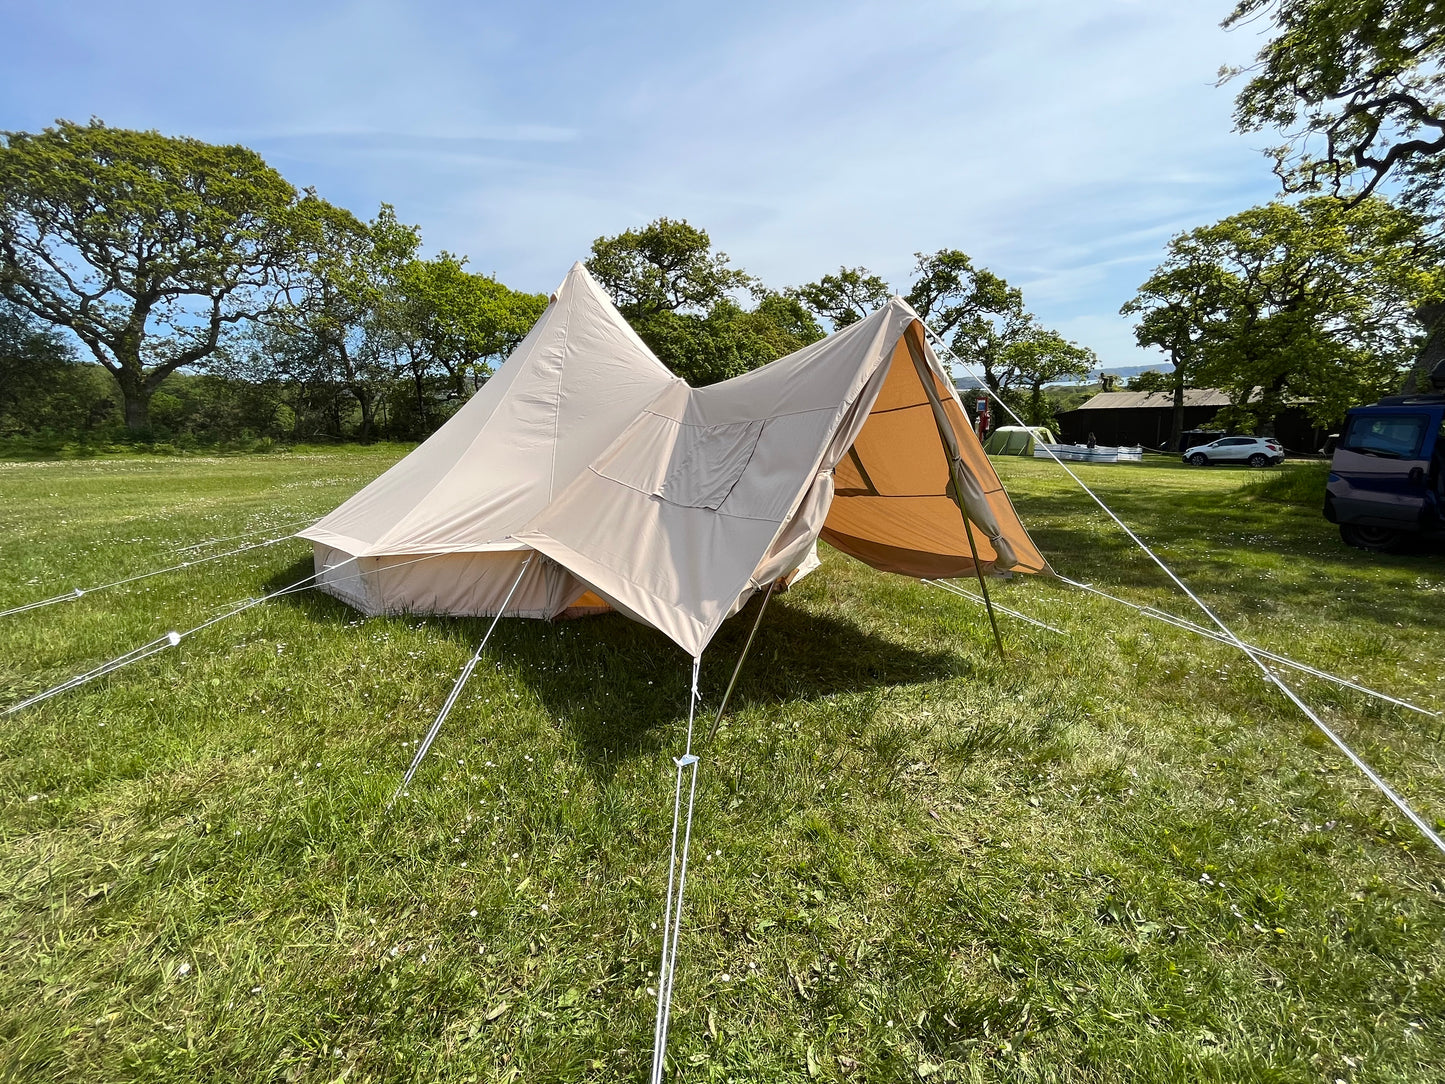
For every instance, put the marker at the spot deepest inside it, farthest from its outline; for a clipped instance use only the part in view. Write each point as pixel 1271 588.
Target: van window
pixel 1394 436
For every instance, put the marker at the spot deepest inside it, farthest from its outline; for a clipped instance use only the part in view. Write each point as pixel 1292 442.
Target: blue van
pixel 1387 479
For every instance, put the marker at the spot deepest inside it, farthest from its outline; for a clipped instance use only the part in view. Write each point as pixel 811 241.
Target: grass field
pixel 1115 856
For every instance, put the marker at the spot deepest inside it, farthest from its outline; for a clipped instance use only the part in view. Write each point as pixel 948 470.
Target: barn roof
pixel 1155 400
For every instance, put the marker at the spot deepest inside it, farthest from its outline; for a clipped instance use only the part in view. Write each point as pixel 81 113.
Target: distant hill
pixel 1121 373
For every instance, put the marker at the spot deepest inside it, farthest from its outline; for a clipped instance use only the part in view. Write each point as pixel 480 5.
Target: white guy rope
pixel 457 689
pixel 247 534
pixel 1199 630
pixel 1282 660
pixel 953 588
pixel 171 639
pixel 81 592
pixel 1269 675
pixel 145 651
pixel 672 920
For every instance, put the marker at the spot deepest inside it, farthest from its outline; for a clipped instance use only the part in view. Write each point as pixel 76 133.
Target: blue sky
pixel 1058 143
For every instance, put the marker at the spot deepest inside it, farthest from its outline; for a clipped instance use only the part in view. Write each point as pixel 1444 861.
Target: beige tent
pixel 573 384
pixel 669 503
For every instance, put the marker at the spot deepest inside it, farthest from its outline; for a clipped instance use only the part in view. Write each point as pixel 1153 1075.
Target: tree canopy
pixel 1041 357
pixel 340 328
pixel 977 312
pixel 39 383
pixel 1305 302
pixel 680 297
pixel 1357 90
pixel 147 247
pixel 665 266
pixel 210 288
pixel 844 298
pixel 444 315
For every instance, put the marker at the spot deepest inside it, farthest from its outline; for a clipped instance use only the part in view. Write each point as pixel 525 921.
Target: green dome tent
pixel 1016 439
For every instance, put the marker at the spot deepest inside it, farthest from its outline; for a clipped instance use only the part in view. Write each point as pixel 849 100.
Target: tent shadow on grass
pixel 797 656
pixel 618 689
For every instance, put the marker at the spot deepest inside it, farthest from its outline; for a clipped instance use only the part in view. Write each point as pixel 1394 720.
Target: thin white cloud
pixel 1058 143
pixel 362 139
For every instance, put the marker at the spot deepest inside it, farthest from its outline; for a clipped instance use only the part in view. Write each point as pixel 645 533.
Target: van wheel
pixel 1371 539
pixel 1199 459
pixel 1258 460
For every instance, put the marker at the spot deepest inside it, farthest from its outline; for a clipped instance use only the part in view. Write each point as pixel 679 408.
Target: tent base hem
pixel 454 584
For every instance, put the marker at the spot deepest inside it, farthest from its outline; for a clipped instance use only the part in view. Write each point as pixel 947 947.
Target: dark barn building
pixel 1143 417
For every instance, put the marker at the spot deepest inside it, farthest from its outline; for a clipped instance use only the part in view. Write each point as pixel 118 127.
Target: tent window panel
pixel 707 461
pixel 769 487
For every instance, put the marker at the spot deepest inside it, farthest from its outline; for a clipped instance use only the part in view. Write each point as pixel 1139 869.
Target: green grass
pixel 1115 856
pixel 1299 483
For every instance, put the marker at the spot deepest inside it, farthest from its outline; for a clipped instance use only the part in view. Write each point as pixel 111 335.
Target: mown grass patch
pixel 1115 855
pixel 1295 483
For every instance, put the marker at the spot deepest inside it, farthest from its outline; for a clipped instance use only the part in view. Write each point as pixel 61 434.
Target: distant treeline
pixel 164 288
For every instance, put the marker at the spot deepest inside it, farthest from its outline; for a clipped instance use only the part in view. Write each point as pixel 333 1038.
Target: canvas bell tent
pixel 584 475
pixel 571 386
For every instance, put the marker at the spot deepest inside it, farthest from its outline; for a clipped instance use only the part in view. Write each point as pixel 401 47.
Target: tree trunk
pixel 135 394
pixel 1429 368
pixel 420 398
pixel 368 411
pixel 457 374
pixel 1271 403
pixel 1176 416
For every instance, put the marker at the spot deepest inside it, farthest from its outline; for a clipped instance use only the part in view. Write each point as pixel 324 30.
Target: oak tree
pixel 844 298
pixel 337 331
pixel 444 317
pixel 682 299
pixel 976 311
pixel 1357 90
pixel 1039 357
pixel 146 247
pixel 1302 302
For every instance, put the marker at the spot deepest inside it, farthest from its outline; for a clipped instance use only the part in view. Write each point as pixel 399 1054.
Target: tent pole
pixel 738 669
pixel 955 469
pixel 983 586
pixel 456 690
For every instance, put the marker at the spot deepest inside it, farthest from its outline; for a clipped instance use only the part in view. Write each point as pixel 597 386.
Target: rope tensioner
pixel 173 638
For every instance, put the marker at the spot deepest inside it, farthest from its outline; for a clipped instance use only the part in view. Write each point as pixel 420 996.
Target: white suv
pixel 1256 451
